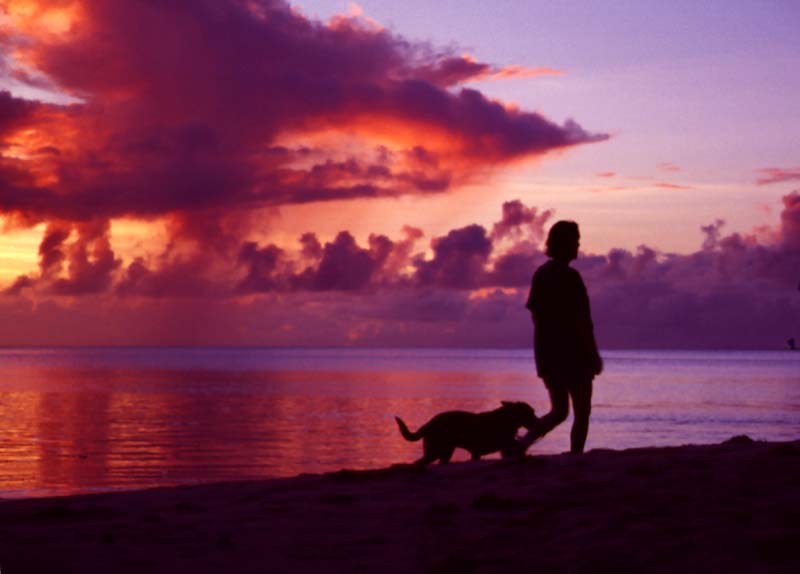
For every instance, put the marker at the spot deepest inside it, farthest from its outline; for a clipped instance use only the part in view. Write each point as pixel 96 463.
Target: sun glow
pixel 18 251
pixel 131 238
pixel 33 17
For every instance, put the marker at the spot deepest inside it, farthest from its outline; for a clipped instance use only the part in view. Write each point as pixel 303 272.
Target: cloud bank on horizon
pixel 205 115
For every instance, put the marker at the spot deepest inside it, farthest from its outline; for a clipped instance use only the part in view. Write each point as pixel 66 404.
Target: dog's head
pixel 521 413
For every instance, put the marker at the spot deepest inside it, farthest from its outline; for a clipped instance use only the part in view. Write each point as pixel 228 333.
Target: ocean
pixel 97 419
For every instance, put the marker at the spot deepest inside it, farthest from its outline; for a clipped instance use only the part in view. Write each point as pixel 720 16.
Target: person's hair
pixel 561 239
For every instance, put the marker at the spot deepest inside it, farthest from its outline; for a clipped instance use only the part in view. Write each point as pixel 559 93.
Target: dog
pixel 478 433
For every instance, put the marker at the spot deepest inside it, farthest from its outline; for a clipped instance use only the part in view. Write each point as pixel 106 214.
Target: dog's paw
pixel 514 450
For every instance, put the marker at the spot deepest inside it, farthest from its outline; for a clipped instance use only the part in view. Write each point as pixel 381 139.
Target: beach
pixel 729 507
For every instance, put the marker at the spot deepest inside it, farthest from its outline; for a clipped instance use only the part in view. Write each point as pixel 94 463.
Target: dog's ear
pixel 505 403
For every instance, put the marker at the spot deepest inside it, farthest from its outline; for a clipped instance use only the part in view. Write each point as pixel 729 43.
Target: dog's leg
pixel 446 454
pixel 475 456
pixel 428 454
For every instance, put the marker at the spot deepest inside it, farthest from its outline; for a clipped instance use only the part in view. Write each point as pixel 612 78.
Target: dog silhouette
pixel 478 433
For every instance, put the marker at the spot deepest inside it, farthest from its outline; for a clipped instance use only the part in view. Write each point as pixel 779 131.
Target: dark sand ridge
pixel 733 507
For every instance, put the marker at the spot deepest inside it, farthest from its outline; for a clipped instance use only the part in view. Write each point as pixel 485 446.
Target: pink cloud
pixel 519 221
pixel 669 167
pixel 508 72
pixel 790 221
pixel 735 291
pixel 185 102
pixel 770 175
pixel 199 114
pixel 453 70
pixel 667 185
pixel 459 259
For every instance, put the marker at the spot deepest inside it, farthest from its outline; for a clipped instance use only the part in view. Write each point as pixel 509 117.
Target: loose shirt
pixel 564 343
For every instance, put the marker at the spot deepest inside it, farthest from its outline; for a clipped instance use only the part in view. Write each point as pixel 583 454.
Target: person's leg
pixel 559 410
pixel 581 407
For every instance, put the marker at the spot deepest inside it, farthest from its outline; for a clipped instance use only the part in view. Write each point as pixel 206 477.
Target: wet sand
pixel 733 507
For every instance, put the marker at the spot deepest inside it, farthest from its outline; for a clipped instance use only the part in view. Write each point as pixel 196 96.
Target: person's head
pixel 563 241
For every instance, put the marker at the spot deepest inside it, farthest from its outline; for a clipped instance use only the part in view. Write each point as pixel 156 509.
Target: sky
pixel 256 172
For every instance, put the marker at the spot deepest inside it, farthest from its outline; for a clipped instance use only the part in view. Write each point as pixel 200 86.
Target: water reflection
pixel 74 422
pixel 157 427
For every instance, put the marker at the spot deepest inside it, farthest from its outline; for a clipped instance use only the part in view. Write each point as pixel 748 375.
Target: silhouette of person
pixel 567 359
pixel 792 345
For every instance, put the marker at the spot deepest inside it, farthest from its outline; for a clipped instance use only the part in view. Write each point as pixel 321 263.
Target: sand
pixel 733 507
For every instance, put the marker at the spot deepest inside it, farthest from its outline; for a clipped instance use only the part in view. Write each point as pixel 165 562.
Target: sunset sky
pixel 252 172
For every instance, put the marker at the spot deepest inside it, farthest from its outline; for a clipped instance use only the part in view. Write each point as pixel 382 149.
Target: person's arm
pixel 530 305
pixel 587 329
pixel 597 360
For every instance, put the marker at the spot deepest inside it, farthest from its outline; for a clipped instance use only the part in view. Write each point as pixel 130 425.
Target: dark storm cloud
pixel 459 259
pixel 14 111
pixel 261 265
pixel 184 101
pixel 343 266
pixel 735 291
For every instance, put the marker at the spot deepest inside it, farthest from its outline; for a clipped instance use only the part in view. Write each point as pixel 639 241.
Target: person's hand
pixel 597 367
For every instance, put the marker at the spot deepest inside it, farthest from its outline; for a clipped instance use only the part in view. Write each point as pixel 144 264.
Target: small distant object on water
pixel 791 343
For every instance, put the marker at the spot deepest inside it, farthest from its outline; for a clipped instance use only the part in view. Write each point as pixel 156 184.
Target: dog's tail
pixel 407 434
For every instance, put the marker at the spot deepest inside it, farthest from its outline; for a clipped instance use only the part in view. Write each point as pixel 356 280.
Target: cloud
pixel 669 167
pixel 464 287
pixel 450 71
pixel 735 292
pixel 519 221
pixel 51 255
pixel 344 265
pixel 173 278
pixel 454 70
pixel 185 102
pixel 790 221
pixel 262 264
pixel 203 114
pixel 649 184
pixel 14 112
pixel 459 259
pixel 513 71
pixel 88 261
pixel 770 175
pixel 667 185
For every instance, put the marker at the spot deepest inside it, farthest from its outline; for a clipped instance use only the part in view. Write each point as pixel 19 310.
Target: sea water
pixel 96 419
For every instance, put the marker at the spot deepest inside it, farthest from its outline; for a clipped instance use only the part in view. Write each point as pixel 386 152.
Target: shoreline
pixel 732 507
